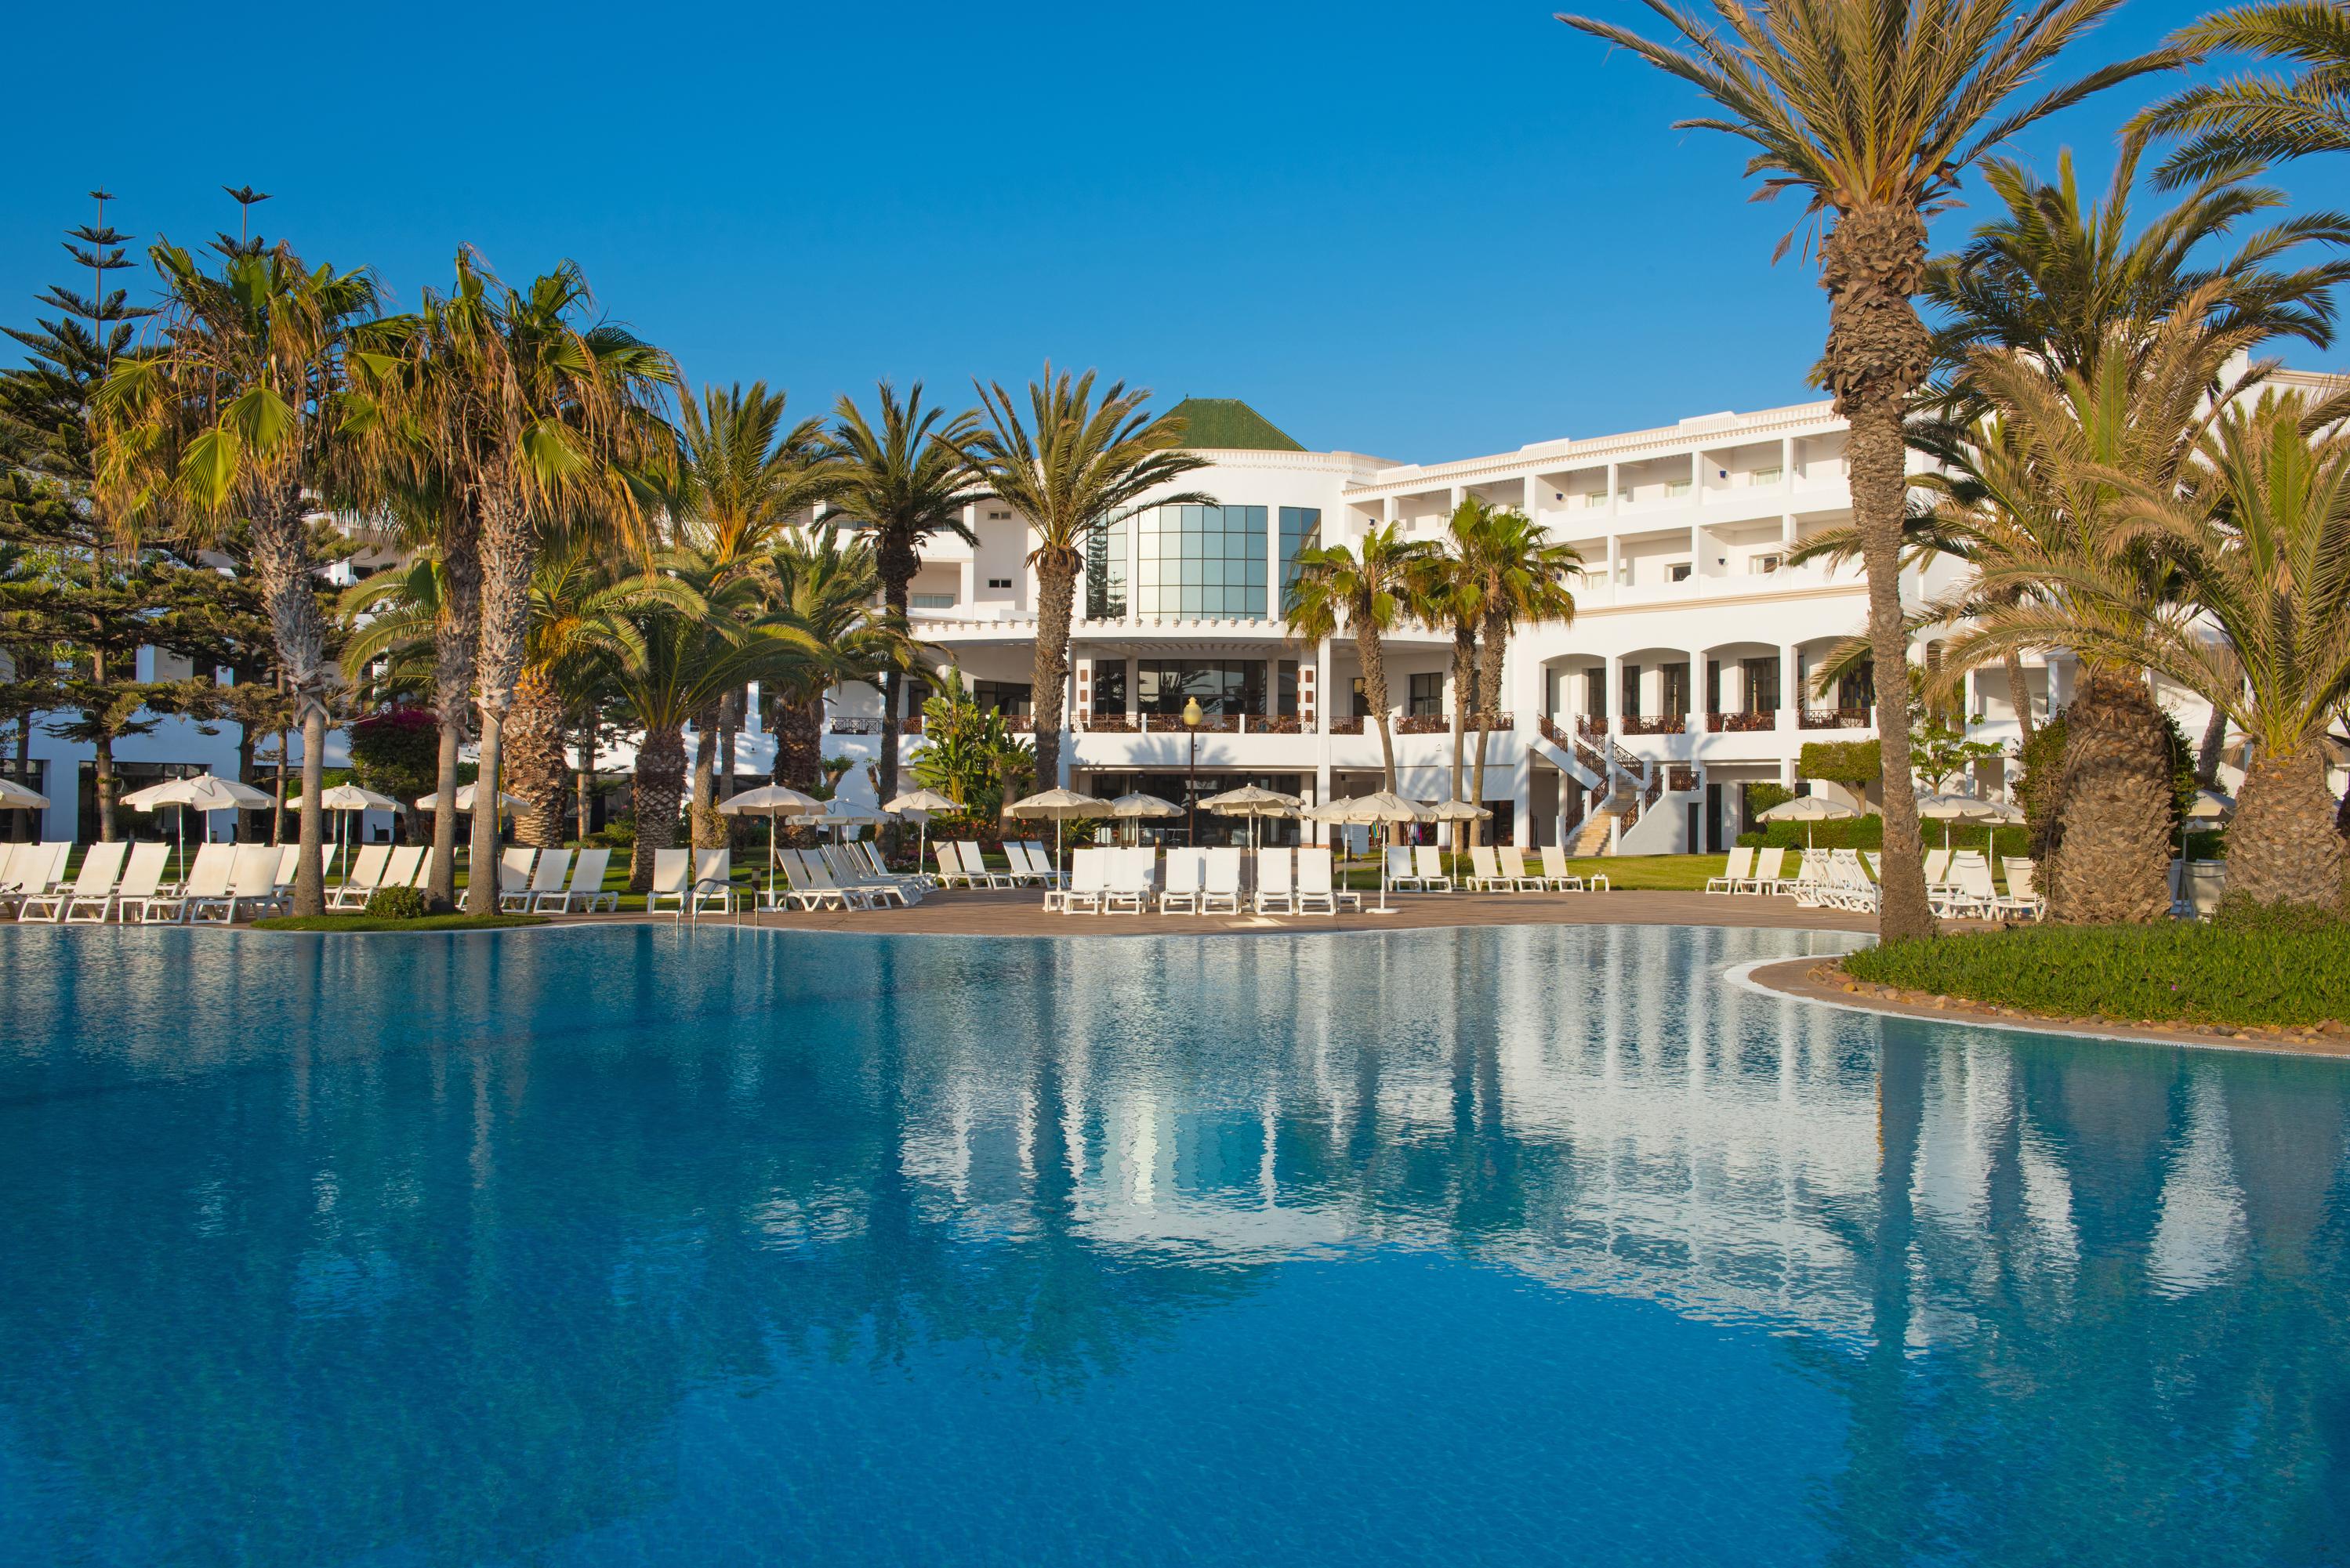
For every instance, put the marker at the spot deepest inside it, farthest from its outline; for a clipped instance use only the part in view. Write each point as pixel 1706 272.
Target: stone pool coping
pixel 1823 982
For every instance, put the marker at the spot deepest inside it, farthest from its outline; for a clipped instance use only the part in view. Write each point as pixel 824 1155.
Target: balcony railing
pixel 1113 724
pixel 1424 724
pixel 1680 776
pixel 859 726
pixel 1738 723
pixel 1834 719
pixel 1593 724
pixel 1655 723
pixel 1350 725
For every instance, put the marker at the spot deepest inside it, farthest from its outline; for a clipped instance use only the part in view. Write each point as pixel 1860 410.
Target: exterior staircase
pixel 1596 835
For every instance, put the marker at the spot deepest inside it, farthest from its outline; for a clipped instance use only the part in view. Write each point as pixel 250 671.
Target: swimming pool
pixel 630 1244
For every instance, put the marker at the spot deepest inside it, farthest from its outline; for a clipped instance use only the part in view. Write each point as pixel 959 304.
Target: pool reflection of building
pixel 1706 1149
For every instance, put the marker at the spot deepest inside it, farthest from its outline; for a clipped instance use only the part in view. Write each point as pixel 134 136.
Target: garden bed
pixel 2177 972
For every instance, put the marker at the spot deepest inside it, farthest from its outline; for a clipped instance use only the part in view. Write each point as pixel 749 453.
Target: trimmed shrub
pixel 1762 797
pixel 398 904
pixel 1856 763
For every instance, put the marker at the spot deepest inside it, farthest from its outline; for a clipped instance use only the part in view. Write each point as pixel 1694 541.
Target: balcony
pixel 857 726
pixel 1593 725
pixel 1424 724
pixel 1740 723
pixel 1655 724
pixel 1834 719
pixel 1113 724
pixel 1347 726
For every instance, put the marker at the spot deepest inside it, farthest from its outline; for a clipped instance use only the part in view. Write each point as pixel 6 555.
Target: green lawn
pixel 358 922
pixel 2179 972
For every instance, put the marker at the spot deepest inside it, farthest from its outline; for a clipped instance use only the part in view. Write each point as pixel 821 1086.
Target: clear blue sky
pixel 1423 232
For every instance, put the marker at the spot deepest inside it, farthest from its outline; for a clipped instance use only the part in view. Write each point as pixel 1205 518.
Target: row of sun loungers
pixel 1494 868
pixel 1024 866
pixel 1200 882
pixel 1958 884
pixel 125 882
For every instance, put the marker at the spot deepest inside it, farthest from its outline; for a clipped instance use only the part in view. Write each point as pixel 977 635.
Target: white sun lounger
pixel 672 874
pixel 100 869
pixel 1088 881
pixel 252 888
pixel 1736 874
pixel 545 877
pixel 365 877
pixel 1764 878
pixel 1132 873
pixel 1316 891
pixel 1427 866
pixel 1514 868
pixel 975 868
pixel 1187 872
pixel 1485 872
pixel 951 870
pixel 586 886
pixel 1221 885
pixel 208 877
pixel 1276 891
pixel 514 865
pixel 142 879
pixel 2022 897
pixel 1395 866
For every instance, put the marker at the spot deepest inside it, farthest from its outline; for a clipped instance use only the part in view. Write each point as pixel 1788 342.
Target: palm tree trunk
pixel 456 634
pixel 1872 262
pixel 2281 848
pixel 1056 577
pixel 277 805
pixel 441 882
pixel 659 790
pixel 534 765
pixel 243 818
pixel 799 742
pixel 585 779
pixel 1374 696
pixel 709 827
pixel 2019 695
pixel 1490 654
pixel 1464 699
pixel 103 767
pixel 730 719
pixel 2109 842
pixel 310 875
pixel 281 560
pixel 508 554
pixel 895 558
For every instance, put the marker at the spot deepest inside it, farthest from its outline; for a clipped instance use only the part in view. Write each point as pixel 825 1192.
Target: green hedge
pixel 1858 764
pixel 2178 971
pixel 1868 832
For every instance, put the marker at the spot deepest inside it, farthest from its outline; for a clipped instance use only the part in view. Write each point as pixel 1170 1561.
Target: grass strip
pixel 380 923
pixel 2177 971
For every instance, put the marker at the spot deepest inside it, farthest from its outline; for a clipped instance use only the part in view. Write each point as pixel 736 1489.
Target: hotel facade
pixel 1685 673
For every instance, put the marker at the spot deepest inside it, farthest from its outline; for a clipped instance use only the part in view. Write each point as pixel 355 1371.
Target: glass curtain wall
pixel 1223 686
pixel 1203 561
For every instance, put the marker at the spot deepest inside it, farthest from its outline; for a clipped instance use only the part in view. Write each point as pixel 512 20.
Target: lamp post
pixel 1191 717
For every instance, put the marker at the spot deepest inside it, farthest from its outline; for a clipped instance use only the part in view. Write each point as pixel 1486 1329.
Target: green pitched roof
pixel 1227 424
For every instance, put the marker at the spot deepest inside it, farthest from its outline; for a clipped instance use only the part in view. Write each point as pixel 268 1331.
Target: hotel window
pixel 930 601
pixel 1301 529
pixel 1005 697
pixel 1674 679
pixel 1767 476
pixel 1427 693
pixel 1595 691
pixel 1761 685
pixel 1285 688
pixel 1594 499
pixel 999 582
pixel 1201 561
pixel 1765 565
pixel 1362 704
pixel 1106 570
pixel 1679 572
pixel 1629 691
pixel 1110 687
pixel 1223 686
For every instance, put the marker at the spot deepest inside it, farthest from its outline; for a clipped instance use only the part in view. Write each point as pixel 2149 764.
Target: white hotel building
pixel 1680 678
pixel 1683 675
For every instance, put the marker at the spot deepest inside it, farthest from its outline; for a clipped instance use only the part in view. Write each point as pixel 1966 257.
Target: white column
pixel 1790 699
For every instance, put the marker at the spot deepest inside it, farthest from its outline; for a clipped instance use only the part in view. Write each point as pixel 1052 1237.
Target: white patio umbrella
pixel 919 803
pixel 1253 802
pixel 347 798
pixel 15 796
pixel 1060 804
pixel 1136 806
pixel 2209 805
pixel 1946 809
pixel 1456 810
pixel 1808 809
pixel 1382 807
pixel 506 803
pixel 835 815
pixel 770 801
pixel 203 793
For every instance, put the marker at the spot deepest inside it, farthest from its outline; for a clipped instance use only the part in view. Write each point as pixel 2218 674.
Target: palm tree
pixel 825 588
pixel 905 482
pixel 668 660
pixel 2261 528
pixel 2056 568
pixel 1447 591
pixel 744 480
pixel 2260 120
pixel 2051 275
pixel 1874 109
pixel 1368 593
pixel 240 414
pixel 533 413
pixel 1083 463
pixel 1524 581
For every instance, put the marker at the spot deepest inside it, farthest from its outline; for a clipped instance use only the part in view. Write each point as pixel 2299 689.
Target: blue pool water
pixel 640 1246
